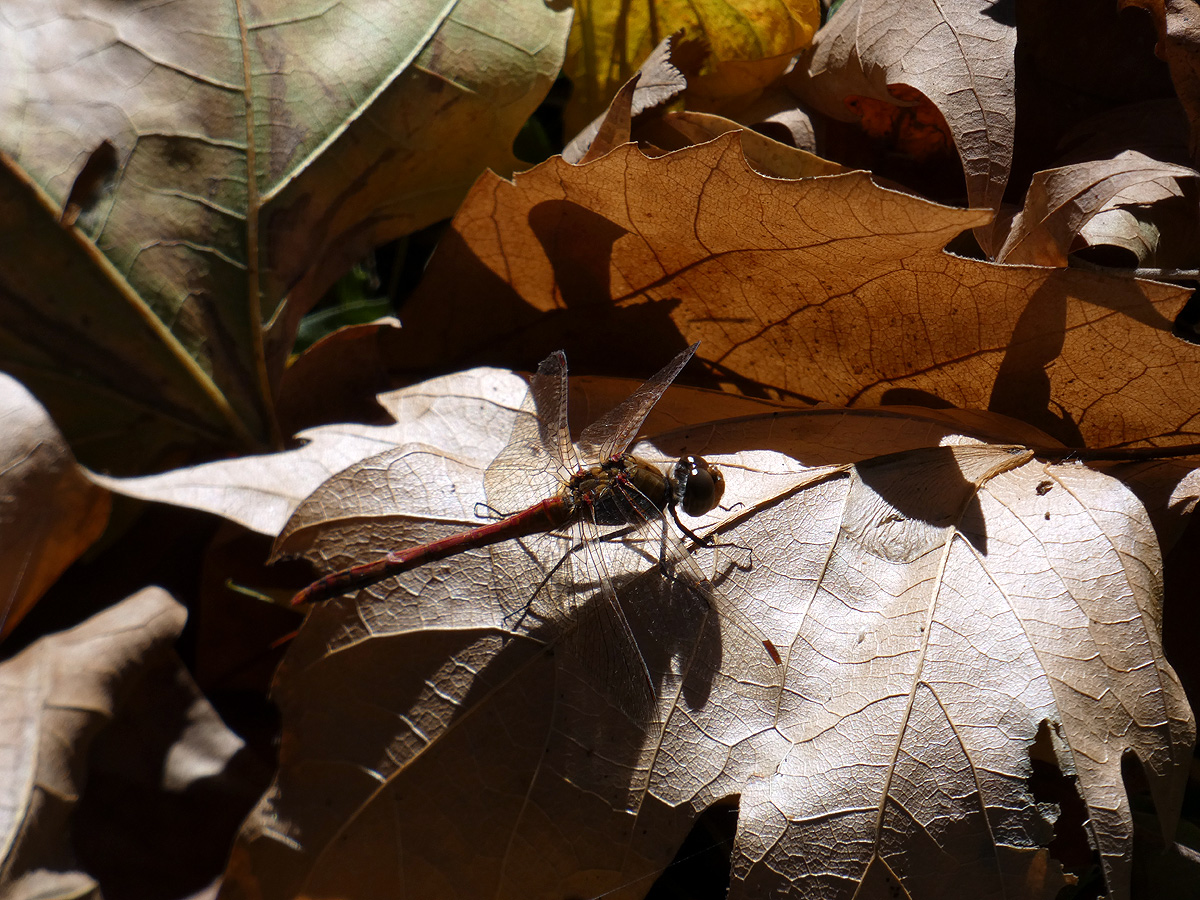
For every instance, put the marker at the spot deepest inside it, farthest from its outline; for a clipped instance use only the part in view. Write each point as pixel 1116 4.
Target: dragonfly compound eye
pixel 698 485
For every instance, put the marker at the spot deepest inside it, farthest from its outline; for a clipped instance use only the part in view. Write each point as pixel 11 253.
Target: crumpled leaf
pixel 829 289
pixel 117 771
pixel 661 77
pixel 50 512
pixel 750 42
pixel 1084 203
pixel 940 606
pixel 958 54
pixel 257 159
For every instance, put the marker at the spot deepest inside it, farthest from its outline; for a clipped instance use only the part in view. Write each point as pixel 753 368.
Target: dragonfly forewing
pixel 613 432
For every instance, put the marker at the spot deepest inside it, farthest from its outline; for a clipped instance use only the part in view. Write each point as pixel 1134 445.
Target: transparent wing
pixel 601 637
pixel 574 597
pixel 536 459
pixel 677 565
pixel 613 432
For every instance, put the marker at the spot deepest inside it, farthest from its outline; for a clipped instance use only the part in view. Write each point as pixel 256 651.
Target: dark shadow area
pixel 701 868
pixel 1049 785
pixel 1003 12
pixel 1163 869
pixel 914 397
pixel 940 496
pixel 1187 323
pixel 1181 613
pixel 494 325
pixel 1076 59
pixel 579 244
pixel 1022 387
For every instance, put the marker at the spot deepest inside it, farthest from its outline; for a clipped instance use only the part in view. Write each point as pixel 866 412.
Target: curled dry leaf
pixel 50 512
pixel 939 605
pixel 829 289
pixel 1064 206
pixel 959 54
pixel 117 771
pixel 750 44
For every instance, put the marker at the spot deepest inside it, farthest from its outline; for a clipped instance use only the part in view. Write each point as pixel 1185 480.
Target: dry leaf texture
pixel 49 512
pixel 959 54
pixel 939 607
pixel 831 289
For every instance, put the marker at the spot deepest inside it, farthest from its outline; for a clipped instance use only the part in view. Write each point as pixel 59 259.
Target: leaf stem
pixel 1116 454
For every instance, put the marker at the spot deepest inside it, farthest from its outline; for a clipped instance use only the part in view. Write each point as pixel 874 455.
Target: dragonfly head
pixel 698 486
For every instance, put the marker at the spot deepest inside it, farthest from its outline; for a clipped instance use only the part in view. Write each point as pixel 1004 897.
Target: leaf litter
pixel 947 600
pixel 936 610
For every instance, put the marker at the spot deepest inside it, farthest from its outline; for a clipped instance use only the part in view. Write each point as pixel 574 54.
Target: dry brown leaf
pixel 50 512
pixel 958 54
pixel 257 158
pixel 827 289
pixel 940 606
pixel 117 771
pixel 1082 203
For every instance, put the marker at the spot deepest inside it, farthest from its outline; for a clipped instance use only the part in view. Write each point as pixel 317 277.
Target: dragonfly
pixel 602 489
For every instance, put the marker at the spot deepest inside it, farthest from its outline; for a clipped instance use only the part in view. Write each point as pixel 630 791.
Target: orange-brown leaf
pixel 831 289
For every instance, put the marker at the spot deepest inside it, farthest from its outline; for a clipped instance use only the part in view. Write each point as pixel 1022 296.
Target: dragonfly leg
pixel 484 511
pixel 516 618
pixel 695 538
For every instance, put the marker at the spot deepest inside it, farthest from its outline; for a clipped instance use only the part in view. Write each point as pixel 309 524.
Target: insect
pixel 600 485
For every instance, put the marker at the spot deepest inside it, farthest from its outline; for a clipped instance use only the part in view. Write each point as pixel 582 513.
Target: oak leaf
pixel 826 289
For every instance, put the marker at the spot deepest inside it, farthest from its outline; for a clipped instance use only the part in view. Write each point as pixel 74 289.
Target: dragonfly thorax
pixel 626 490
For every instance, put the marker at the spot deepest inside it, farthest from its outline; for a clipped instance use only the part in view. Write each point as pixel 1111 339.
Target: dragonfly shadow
pixel 678 633
pixel 672 636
